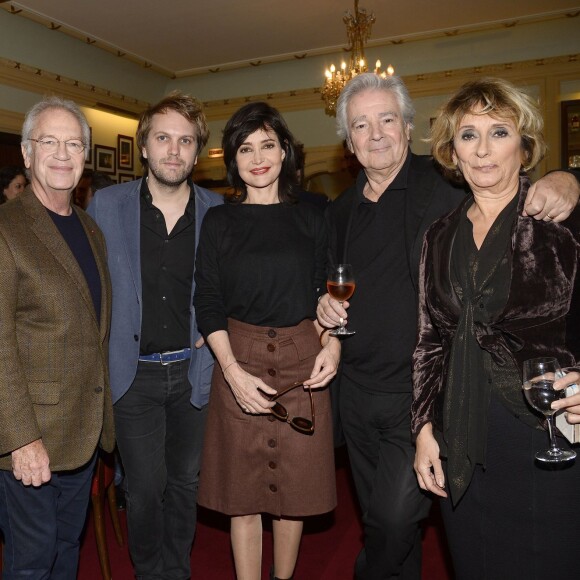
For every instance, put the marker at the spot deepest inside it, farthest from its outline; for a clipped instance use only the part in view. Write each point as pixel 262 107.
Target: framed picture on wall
pixel 105 159
pixel 125 149
pixel 124 177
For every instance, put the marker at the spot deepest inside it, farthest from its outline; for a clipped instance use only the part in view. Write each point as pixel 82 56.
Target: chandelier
pixel 358 29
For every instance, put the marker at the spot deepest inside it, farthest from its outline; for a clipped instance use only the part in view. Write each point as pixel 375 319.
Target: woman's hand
pixel 325 365
pixel 330 312
pixel 571 404
pixel 248 390
pixel 427 463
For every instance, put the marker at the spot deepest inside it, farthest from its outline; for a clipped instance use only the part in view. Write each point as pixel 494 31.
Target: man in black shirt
pixel 377 226
pixel 160 367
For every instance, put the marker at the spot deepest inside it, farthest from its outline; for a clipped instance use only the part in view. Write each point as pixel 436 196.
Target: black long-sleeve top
pixel 259 264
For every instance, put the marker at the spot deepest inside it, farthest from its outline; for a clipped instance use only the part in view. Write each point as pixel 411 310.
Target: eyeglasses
pixel 50 145
pixel 301 424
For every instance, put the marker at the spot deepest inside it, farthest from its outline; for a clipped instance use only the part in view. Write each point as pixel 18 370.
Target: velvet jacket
pixel 540 317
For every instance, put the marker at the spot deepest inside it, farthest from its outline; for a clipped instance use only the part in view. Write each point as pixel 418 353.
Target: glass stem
pixel 342 319
pixel 551 431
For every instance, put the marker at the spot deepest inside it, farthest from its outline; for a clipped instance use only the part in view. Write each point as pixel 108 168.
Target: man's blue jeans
pixel 42 525
pixel 160 435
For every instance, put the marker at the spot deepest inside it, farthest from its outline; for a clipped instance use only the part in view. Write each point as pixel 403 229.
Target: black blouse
pixel 260 264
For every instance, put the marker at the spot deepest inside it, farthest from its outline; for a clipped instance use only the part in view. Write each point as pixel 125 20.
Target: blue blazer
pixel 117 211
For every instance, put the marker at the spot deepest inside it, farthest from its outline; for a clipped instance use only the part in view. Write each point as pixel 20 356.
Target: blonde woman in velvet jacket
pixel 496 288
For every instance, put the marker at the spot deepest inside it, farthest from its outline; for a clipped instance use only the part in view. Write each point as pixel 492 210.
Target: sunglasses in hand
pixel 301 424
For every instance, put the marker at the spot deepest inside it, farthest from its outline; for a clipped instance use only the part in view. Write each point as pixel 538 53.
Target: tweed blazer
pixel 540 318
pixel 117 211
pixel 53 351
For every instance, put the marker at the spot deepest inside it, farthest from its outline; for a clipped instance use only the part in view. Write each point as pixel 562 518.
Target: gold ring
pixel 549 216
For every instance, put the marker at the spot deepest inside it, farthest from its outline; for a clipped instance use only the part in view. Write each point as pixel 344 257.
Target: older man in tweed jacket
pixel 55 301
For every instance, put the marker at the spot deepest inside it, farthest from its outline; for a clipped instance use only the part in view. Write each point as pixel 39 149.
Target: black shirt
pixel 71 229
pixel 167 275
pixel 383 309
pixel 260 264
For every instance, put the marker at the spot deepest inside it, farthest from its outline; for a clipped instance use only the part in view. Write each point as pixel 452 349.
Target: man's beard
pixel 170 178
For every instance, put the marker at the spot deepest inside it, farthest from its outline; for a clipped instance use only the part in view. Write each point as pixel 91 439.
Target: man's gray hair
pixel 46 104
pixel 372 82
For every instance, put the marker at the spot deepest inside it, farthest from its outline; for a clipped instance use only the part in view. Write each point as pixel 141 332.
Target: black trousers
pixel 518 519
pixel 377 429
pixel 160 436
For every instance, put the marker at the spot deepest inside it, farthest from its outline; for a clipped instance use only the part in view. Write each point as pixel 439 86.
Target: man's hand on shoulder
pixel 30 464
pixel 553 197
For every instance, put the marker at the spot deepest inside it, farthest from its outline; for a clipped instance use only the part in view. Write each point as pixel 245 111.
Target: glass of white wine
pixel 539 377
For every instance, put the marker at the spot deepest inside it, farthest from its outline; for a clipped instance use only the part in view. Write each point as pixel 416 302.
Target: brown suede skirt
pixel 257 463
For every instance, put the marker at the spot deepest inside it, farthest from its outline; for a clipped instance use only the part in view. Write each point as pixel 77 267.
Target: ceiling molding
pixel 36 80
pixel 385 42
pixel 11 122
pixel 39 81
pixel 419 85
pixel 78 35
pixel 15 9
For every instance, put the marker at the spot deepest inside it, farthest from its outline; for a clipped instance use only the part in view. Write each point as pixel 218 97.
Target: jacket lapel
pixel 99 254
pixel 44 229
pixel 130 226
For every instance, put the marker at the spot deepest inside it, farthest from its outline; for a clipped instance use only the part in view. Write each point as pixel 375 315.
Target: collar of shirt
pixel 147 198
pixel 400 181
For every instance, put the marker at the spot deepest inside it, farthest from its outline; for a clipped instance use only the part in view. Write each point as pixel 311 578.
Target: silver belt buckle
pixel 162 354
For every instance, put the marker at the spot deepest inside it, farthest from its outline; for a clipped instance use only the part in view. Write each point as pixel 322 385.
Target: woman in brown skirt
pixel 260 267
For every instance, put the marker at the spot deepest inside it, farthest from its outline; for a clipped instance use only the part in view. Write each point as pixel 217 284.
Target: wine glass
pixel 539 377
pixel 340 286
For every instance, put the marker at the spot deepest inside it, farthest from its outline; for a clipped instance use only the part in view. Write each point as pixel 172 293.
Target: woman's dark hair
pixel 245 121
pixel 7 175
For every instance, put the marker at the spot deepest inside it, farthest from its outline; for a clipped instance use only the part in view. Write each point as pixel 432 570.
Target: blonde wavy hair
pixel 488 96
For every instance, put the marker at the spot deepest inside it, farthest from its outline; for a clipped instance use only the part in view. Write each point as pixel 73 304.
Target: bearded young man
pixel 160 367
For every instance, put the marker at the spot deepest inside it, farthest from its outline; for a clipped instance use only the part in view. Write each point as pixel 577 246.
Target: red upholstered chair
pixel 104 485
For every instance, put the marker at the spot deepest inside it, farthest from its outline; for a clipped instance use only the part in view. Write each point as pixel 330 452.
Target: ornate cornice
pixel 40 81
pixel 418 85
pixel 11 122
pixel 16 10
pixel 37 80
pixel 58 27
